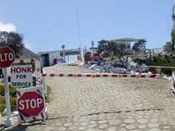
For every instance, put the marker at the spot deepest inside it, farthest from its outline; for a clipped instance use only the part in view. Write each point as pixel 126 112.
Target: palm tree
pixel 173 30
pixel 63 47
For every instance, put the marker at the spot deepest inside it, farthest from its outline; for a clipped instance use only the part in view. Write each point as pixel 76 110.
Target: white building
pixel 50 58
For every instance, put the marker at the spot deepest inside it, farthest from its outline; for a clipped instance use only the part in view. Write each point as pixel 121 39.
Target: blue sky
pixel 47 24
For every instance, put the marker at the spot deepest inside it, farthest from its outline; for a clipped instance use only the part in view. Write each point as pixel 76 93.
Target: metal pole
pixel 45 86
pixel 7 100
pixel 64 56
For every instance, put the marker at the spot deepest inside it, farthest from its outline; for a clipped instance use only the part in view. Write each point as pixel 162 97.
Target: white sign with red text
pixel 21 76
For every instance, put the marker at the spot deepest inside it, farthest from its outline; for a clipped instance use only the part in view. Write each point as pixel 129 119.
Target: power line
pixel 78 26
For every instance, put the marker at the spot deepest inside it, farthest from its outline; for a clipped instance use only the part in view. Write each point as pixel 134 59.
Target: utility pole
pixel 92 43
pixel 173 31
pixel 79 36
pixel 63 47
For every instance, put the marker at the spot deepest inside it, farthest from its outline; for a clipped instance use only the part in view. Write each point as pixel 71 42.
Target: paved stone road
pixel 107 104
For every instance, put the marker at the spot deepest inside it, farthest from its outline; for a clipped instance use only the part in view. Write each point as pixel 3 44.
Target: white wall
pixel 52 56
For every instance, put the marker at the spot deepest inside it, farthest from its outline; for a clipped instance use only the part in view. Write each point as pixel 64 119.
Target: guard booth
pixel 54 57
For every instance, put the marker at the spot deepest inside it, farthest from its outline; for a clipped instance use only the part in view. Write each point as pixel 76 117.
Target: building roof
pixel 126 40
pixel 67 51
pixel 27 54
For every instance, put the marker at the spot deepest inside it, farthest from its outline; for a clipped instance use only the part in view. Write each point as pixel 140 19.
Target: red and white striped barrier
pixel 101 75
pixel 95 76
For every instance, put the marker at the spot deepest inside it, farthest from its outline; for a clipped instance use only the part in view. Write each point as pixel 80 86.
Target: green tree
pixel 110 48
pixel 139 46
pixel 63 46
pixel 103 48
pixel 173 30
pixel 173 39
pixel 13 40
pixel 118 49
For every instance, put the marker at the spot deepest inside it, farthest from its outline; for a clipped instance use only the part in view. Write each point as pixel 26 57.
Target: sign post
pixel 7 57
pixel 7 99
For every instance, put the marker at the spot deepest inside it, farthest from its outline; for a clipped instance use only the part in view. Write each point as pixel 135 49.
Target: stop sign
pixel 7 56
pixel 30 104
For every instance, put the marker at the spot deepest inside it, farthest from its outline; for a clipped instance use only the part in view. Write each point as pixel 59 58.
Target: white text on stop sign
pixel 30 103
pixel 6 57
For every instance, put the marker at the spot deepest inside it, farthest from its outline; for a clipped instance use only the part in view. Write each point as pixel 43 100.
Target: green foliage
pixel 48 89
pixel 12 90
pixel 163 71
pixel 63 46
pixel 12 102
pixel 159 61
pixel 12 98
pixel 104 48
pixel 139 46
pixel 167 71
pixel 2 91
pixel 48 93
pixel 110 48
pixel 153 70
pixel 2 104
pixel 13 40
pixel 142 61
pixel 173 39
pixel 163 61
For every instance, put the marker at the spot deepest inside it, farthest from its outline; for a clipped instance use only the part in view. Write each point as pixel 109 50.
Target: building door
pixel 45 60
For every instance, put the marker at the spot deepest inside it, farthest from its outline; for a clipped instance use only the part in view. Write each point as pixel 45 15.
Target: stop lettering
pixel 30 104
pixel 7 56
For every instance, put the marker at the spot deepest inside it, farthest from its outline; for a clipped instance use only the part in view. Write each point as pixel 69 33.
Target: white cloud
pixel 7 27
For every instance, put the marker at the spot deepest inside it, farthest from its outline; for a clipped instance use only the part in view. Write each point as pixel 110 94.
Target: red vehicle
pixel 96 57
pixel 87 57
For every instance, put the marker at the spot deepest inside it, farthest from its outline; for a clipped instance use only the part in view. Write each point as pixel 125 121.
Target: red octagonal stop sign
pixel 7 56
pixel 30 104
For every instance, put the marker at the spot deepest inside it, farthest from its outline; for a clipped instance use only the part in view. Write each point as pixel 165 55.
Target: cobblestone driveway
pixel 107 104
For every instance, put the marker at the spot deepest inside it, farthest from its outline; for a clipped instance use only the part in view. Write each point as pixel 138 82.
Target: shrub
pixel 12 102
pixel 159 61
pixel 48 92
pixel 153 70
pixel 11 89
pixel 2 104
pixel 2 91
